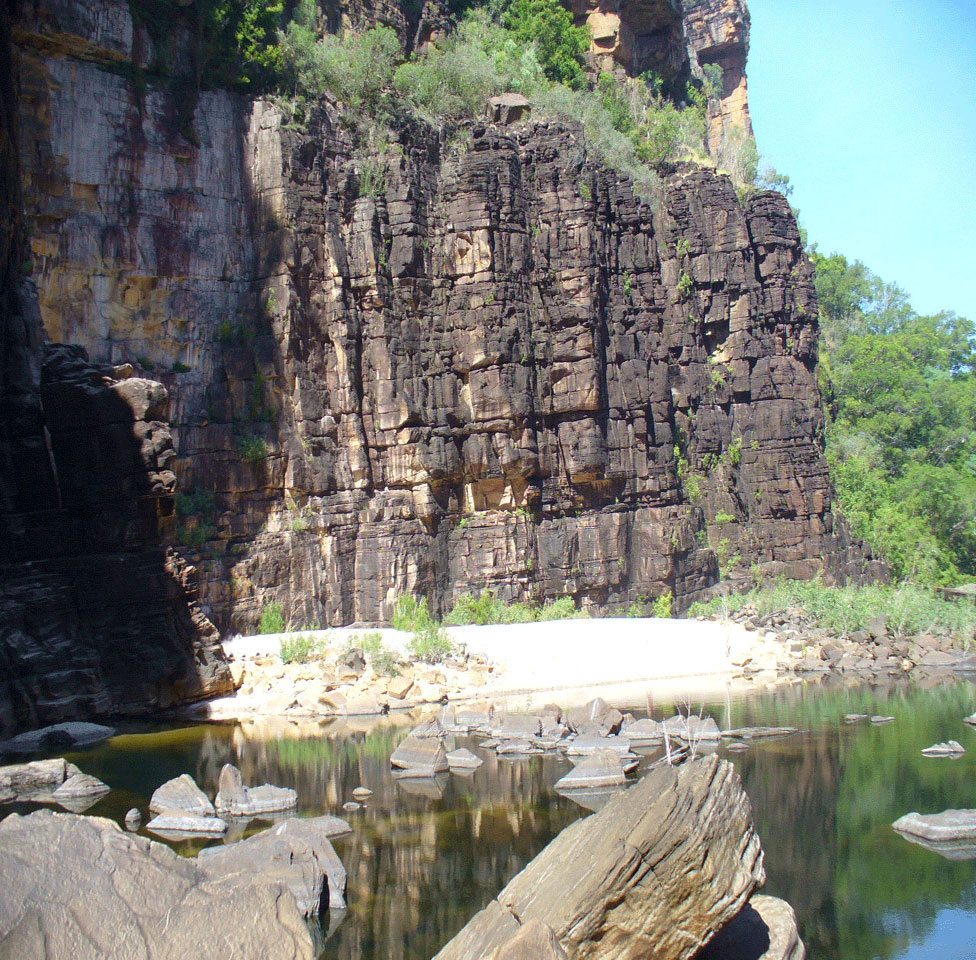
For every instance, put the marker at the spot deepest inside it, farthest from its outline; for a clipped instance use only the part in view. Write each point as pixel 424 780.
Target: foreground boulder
pixel 296 853
pixel 139 898
pixel 656 873
pixel 236 800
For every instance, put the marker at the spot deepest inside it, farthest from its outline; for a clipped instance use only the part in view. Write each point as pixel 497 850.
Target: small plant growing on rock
pixel 722 517
pixel 685 285
pixel 684 247
pixel 636 610
pixel 272 619
pixel 411 614
pixel 252 449
pixel 298 648
pixel 662 605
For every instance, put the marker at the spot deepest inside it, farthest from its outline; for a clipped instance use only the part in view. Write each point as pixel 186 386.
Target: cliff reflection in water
pixel 425 855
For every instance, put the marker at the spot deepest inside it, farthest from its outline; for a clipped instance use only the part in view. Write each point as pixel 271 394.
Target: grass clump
pixel 430 643
pixel 908 609
pixel 487 608
pixel 272 619
pixel 383 660
pixel 252 449
pixel 662 605
pixel 298 648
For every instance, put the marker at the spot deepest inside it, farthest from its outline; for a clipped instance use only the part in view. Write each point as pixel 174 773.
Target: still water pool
pixel 423 857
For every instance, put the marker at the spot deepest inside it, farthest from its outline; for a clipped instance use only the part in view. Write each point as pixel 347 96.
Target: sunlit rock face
pixel 445 365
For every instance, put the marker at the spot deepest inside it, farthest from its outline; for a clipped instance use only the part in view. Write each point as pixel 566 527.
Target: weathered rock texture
pixel 491 365
pixel 657 872
pixel 79 888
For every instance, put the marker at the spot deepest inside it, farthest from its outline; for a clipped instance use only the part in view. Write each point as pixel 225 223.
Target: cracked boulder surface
pixel 657 872
pixel 460 362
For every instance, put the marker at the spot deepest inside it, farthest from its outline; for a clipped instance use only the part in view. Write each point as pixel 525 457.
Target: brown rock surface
pixel 140 899
pixel 668 863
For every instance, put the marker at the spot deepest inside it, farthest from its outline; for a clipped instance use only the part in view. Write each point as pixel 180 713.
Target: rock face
pixel 501 368
pixel 668 863
pixel 141 899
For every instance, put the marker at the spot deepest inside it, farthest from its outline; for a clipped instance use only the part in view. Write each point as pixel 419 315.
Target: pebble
pixel 350 806
pixel 362 793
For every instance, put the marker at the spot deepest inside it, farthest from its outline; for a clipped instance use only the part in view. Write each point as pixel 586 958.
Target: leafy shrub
pixel 195 534
pixel 272 619
pixel 253 449
pixel 430 643
pixel 195 502
pixel 662 605
pixel 635 611
pixel 722 517
pixel 411 614
pixel 297 648
pixel 487 608
pixel 908 609
pixel 559 45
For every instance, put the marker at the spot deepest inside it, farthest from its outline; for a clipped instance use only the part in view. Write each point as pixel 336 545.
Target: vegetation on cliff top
pixel 900 396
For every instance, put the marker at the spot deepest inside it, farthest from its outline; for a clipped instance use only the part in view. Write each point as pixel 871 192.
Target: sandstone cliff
pixel 462 361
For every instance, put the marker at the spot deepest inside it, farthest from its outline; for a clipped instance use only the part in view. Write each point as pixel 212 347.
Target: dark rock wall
pixel 459 361
pixel 97 615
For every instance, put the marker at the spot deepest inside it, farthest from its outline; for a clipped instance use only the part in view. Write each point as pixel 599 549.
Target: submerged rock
pixel 855 717
pixel 140 899
pixel 236 800
pixel 172 826
pixel 692 728
pixel 950 826
pixel 880 719
pixel 759 733
pixel 584 745
pixel 181 795
pixel 668 863
pixel 362 793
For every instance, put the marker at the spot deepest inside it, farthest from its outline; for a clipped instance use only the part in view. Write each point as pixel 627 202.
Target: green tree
pixel 559 44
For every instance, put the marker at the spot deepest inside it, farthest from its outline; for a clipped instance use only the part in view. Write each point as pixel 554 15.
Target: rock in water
pixel 181 795
pixel 425 755
pixel 669 862
pixel 764 929
pixel 295 852
pixel 946 827
pixel 236 800
pixel 133 819
pixel 463 759
pixel 600 769
pixel 79 792
pixel 25 780
pixel 140 899
pixel 61 736
pixel 951 749
pixel 173 826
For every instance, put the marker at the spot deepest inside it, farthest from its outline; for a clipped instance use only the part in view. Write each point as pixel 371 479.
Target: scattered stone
pixel 362 793
pixel 692 729
pixel 81 786
pixel 351 806
pixel 518 726
pixel 23 781
pixel 175 826
pixel 133 819
pixel 600 769
pixel 425 755
pixel 474 715
pixel 140 898
pixel 428 730
pixel 736 745
pixel 490 744
pixel 880 719
pixel 518 748
pixel 764 929
pixel 236 800
pixel 643 732
pixel 668 863
pixel 951 749
pixel 596 718
pixel 759 733
pixel 855 717
pixel 181 795
pixel 534 941
pixel 582 746
pixel 971 719
pixel 60 736
pixel 463 759
pixel 399 687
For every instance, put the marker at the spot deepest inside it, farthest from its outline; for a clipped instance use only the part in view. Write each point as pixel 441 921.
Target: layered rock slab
pixel 140 899
pixel 657 872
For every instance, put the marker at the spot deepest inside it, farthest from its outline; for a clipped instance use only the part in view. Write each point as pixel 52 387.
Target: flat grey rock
pixel 463 759
pixel 174 826
pixel 584 745
pixel 692 728
pixel 855 717
pixel 518 748
pixel 953 748
pixel 599 769
pixel 948 826
pixel 181 795
pixel 880 719
pixel 60 736
pixel 78 887
pixel 295 852
pixel 759 733
pixel 642 732
pixel 37 779
pixel 414 753
pixel 518 726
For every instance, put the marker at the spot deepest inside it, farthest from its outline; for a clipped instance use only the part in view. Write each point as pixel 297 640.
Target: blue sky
pixel 870 107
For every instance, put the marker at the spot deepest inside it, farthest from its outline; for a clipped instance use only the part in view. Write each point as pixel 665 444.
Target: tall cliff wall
pixel 493 365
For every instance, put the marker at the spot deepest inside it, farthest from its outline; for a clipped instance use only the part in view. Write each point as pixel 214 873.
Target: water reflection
pixel 424 855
